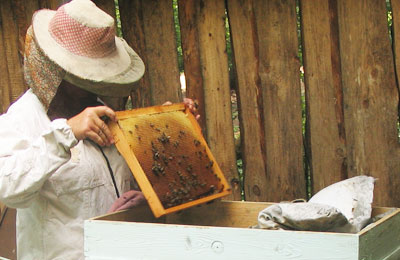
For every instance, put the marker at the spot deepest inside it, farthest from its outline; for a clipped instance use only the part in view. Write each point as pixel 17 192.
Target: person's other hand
pixel 88 124
pixel 190 104
pixel 128 200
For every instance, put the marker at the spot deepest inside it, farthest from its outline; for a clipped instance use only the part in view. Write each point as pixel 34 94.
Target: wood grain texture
pixel 188 20
pixel 161 52
pixel 246 52
pixel 324 95
pixel 10 26
pixel 388 245
pixel 223 233
pixel 221 214
pixel 396 35
pixel 370 96
pixel 7 235
pixel 5 98
pixel 133 32
pixel 107 6
pixel 280 81
pixel 122 240
pixel 214 69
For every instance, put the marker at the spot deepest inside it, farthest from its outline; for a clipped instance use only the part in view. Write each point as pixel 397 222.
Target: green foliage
pixel 178 35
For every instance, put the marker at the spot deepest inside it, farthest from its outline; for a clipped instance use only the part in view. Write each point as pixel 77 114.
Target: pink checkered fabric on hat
pixel 80 39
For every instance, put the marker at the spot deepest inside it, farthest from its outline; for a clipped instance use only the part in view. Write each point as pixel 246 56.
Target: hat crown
pixel 83 29
pixel 87 13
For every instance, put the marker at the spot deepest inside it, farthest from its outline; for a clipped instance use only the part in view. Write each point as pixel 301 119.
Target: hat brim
pixel 112 75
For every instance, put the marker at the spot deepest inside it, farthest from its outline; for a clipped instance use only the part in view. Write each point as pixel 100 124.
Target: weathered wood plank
pixel 223 233
pixel 280 80
pixel 161 52
pixel 381 241
pixel 188 20
pixel 396 34
pixel 370 96
pixel 214 69
pixel 246 52
pixel 10 26
pixel 51 4
pixel 107 6
pixel 4 79
pixel 7 235
pixel 324 97
pixel 122 240
pixel 133 32
pixel 220 214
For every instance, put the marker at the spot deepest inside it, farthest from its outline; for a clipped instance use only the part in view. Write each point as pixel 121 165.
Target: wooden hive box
pixel 169 157
pixel 220 231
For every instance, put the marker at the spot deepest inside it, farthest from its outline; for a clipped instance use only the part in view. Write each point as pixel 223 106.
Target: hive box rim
pixel 379 240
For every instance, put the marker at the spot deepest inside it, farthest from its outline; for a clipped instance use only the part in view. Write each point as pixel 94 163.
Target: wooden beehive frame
pixel 137 171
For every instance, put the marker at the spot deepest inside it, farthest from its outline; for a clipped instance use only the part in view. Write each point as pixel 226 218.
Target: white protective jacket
pixel 54 181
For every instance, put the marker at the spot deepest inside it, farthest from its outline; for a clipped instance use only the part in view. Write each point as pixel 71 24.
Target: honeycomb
pixel 173 155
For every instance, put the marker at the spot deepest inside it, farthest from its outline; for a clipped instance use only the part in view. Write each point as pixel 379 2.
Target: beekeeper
pixel 58 164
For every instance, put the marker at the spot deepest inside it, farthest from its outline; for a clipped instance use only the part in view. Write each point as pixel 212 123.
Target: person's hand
pixel 88 124
pixel 190 104
pixel 128 200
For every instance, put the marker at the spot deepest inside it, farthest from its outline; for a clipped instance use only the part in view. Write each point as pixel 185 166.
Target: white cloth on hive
pixel 341 207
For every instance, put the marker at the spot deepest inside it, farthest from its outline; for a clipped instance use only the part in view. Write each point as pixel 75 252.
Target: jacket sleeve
pixel 26 162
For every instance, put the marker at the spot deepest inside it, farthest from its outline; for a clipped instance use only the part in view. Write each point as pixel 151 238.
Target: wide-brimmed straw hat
pixel 80 38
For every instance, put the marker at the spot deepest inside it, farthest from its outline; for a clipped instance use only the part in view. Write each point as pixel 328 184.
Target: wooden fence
pixel 351 87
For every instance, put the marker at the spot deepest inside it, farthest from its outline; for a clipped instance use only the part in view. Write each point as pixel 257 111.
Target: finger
pixel 104 131
pixel 167 103
pixel 133 202
pixel 188 101
pixel 106 111
pixel 118 203
pixel 96 137
pixel 190 104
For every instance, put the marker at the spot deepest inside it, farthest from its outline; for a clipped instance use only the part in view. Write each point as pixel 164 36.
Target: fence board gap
pixel 395 36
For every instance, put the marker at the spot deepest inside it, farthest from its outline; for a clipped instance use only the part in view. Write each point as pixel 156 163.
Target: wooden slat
pixel 51 4
pixel 107 6
pixel 133 32
pixel 189 19
pixel 396 34
pixel 214 69
pixel 280 80
pixel 161 52
pixel 370 96
pixel 4 79
pixel 245 46
pixel 7 235
pixel 325 123
pixel 220 214
pixel 16 17
pixel 10 33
